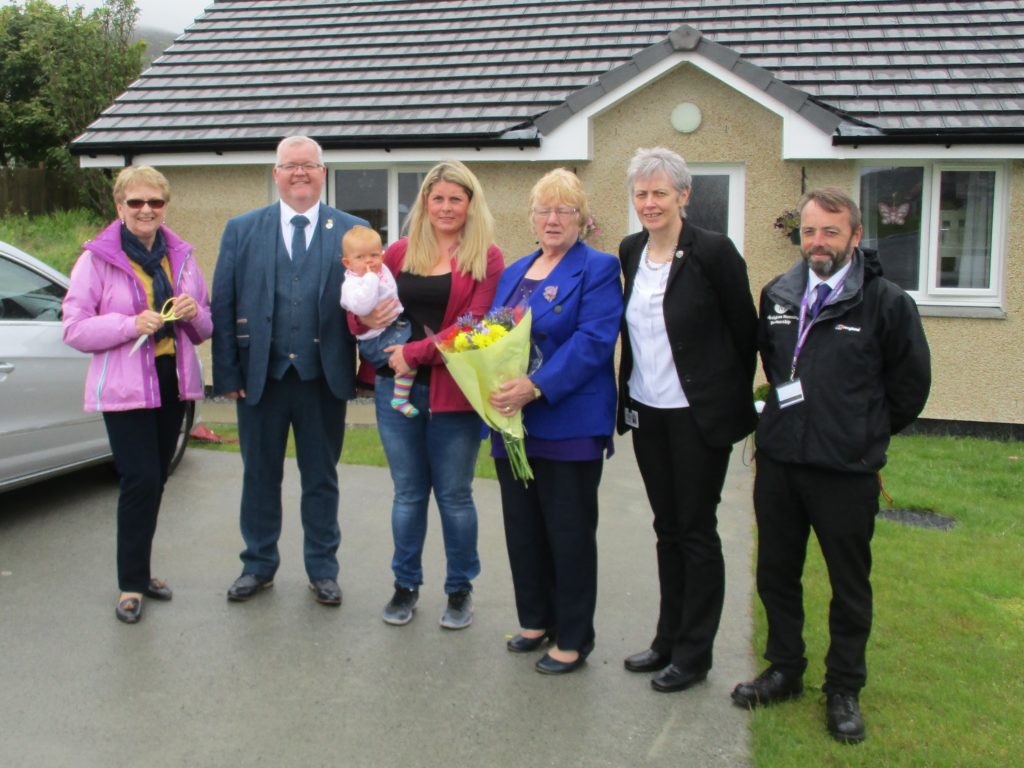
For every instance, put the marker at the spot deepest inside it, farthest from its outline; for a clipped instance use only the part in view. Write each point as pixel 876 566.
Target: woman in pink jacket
pixel 144 366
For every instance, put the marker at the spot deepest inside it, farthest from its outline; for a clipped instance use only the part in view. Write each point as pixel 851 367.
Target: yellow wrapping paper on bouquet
pixel 480 370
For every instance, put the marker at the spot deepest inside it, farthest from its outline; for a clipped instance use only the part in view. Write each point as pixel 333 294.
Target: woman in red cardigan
pixel 447 267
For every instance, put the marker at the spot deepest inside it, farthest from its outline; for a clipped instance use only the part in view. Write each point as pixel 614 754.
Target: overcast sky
pixel 171 15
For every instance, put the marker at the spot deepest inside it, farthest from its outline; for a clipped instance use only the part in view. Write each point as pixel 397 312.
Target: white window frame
pixel 737 175
pixel 929 292
pixel 394 219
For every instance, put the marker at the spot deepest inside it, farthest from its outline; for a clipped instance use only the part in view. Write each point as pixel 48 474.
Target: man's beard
pixel 825 268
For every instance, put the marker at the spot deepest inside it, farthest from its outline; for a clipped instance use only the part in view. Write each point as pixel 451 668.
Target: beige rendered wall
pixel 202 201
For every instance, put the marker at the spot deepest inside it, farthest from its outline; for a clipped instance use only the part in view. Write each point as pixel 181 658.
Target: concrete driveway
pixel 282 681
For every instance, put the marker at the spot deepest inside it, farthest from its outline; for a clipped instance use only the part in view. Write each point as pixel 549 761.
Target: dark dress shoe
pixel 770 686
pixel 646 661
pixel 247 585
pixel 842 715
pixel 158 590
pixel 550 666
pixel 520 644
pixel 129 610
pixel 327 591
pixel 674 678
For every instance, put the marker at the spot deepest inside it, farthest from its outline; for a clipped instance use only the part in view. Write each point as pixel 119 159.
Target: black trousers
pixel 790 500
pixel 143 442
pixel 551 535
pixel 683 477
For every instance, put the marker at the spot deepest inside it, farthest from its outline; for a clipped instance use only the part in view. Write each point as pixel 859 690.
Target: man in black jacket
pixel 848 362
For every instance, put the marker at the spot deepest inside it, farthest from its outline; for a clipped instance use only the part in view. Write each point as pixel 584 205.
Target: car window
pixel 27 295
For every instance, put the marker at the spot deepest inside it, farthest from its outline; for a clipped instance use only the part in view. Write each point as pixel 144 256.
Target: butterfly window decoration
pixel 893 214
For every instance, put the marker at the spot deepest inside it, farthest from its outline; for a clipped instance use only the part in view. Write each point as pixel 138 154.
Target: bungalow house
pixel 917 109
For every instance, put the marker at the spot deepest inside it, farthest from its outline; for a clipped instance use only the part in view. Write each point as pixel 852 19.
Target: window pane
pixel 27 295
pixel 890 203
pixel 408 188
pixel 709 202
pixel 364 193
pixel 965 228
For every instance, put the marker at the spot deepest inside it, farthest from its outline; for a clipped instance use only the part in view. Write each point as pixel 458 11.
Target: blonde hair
pixel 140 174
pixel 561 186
pixel 359 236
pixel 477 234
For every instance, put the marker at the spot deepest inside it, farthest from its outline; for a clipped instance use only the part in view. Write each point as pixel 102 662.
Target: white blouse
pixel 654 380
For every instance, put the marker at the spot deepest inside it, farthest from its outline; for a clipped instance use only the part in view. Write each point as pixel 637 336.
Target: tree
pixel 59 68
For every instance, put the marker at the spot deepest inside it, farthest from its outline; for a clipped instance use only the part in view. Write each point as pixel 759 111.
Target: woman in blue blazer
pixel 685 382
pixel 568 408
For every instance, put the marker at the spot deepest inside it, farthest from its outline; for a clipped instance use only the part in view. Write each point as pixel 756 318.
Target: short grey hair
pixel 647 162
pixel 288 141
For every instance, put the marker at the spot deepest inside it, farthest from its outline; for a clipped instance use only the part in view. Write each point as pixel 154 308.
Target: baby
pixel 367 282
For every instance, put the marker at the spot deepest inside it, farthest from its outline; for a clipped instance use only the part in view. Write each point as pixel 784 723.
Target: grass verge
pixel 944 659
pixel 55 239
pixel 362 446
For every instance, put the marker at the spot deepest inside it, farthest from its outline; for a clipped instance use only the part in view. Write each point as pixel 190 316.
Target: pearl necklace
pixel 654 265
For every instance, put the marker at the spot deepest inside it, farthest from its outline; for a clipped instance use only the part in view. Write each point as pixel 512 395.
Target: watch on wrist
pixel 537 394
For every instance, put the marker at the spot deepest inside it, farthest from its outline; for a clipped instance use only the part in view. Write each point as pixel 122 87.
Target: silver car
pixel 43 429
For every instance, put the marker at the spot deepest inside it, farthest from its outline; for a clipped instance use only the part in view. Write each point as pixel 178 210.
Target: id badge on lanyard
pixel 792 392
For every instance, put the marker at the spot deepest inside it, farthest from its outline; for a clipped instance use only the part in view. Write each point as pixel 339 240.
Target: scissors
pixel 167 313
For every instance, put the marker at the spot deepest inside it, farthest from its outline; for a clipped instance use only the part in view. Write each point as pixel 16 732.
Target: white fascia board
pixel 903 152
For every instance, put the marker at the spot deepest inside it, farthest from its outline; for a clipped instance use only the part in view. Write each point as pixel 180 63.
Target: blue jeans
pixel 430 451
pixel 373 349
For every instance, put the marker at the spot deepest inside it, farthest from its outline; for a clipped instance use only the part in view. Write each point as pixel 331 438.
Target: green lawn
pixel 945 683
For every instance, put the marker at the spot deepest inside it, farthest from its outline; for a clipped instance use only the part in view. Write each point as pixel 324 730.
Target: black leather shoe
pixel 327 591
pixel 646 661
pixel 675 678
pixel 158 590
pixel 520 644
pixel 129 609
pixel 842 715
pixel 247 585
pixel 550 666
pixel 770 686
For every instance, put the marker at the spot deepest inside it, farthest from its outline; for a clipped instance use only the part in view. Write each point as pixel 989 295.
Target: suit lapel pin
pixel 679 254
pixel 550 292
pixel 329 224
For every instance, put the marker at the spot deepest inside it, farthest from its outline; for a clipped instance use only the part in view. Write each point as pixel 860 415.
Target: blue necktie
pixel 823 291
pixel 299 238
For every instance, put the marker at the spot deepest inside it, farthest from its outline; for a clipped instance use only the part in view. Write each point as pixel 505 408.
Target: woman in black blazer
pixel 685 389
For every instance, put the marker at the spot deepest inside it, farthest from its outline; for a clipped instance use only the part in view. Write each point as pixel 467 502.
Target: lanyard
pixel 803 330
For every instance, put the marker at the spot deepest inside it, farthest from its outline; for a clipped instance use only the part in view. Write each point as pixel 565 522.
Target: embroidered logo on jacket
pixel 850 328
pixel 783 316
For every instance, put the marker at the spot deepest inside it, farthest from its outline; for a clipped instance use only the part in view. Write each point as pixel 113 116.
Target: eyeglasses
pixel 136 204
pixel 561 213
pixel 293 167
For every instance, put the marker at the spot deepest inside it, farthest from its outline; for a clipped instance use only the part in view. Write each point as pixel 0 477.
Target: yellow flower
pixel 462 342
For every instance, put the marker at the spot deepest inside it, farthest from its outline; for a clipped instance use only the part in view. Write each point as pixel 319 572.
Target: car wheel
pixel 186 427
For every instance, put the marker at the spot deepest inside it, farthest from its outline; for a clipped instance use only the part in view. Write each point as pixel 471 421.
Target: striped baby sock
pixel 400 402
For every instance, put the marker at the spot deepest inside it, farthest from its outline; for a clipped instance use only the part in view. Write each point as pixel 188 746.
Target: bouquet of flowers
pixel 481 355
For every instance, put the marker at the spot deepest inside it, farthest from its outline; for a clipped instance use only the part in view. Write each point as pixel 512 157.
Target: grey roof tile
pixel 415 70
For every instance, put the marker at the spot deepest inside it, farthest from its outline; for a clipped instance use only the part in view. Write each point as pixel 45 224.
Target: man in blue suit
pixel 283 352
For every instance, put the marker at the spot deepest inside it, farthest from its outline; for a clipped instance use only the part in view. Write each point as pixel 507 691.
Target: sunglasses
pixel 155 203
